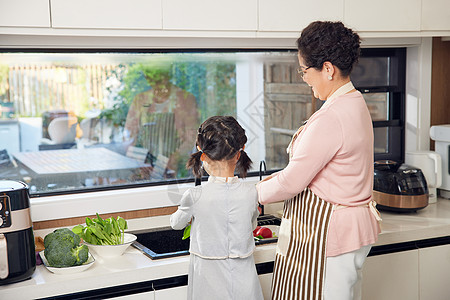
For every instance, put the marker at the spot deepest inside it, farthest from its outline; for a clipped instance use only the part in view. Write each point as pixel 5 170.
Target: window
pixel 79 121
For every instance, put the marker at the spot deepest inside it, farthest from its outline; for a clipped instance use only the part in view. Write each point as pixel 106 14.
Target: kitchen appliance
pixel 399 187
pixel 441 135
pixel 17 249
pixel 430 163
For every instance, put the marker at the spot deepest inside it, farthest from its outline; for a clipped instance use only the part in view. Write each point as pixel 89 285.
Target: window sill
pixel 85 204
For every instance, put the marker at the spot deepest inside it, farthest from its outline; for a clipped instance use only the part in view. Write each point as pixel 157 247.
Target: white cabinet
pixel 434 268
pixel 234 18
pixel 24 13
pixel 171 294
pixel 178 293
pixel 210 15
pixel 383 15
pixel 102 14
pixel 435 15
pixel 391 276
pixel 266 285
pixel 294 15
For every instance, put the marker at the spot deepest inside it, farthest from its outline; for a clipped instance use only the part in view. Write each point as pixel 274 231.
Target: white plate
pixel 108 251
pixel 68 270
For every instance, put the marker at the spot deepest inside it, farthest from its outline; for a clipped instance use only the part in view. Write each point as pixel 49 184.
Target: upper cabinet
pixel 435 15
pixel 235 15
pixel 213 18
pixel 24 13
pixel 106 14
pixel 294 15
pixel 383 15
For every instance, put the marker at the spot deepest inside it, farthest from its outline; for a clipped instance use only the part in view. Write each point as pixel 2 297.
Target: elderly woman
pixel 329 219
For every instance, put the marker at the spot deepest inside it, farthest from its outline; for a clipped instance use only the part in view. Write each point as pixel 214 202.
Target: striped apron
pixel 300 258
pixel 299 269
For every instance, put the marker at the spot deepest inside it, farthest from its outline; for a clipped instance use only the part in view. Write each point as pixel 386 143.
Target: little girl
pixel 223 213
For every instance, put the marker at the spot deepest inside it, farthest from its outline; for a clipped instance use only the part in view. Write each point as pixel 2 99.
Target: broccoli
pixel 81 253
pixel 62 249
pixel 62 234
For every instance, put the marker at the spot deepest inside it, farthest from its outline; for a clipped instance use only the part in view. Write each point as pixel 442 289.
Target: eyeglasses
pixel 302 72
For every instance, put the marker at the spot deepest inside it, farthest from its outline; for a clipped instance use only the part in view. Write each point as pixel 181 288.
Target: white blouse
pixel 224 214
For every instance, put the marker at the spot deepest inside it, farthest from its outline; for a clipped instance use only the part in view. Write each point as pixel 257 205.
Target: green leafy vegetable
pixel 187 232
pixel 102 232
pixel 258 237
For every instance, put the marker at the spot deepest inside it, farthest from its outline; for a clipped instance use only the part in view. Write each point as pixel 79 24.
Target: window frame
pixel 396 111
pixel 170 183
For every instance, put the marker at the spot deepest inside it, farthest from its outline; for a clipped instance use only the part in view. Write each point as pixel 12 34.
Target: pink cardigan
pixel 333 155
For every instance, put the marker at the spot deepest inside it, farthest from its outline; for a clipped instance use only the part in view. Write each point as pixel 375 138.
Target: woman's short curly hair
pixel 323 41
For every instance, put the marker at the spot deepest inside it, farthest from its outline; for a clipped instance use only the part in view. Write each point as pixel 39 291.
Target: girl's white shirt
pixel 233 179
pixel 224 214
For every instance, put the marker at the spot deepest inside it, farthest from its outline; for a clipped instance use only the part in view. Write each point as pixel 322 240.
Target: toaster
pixel 399 187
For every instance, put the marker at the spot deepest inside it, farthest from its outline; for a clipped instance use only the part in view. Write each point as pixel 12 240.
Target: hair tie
pixel 201 151
pixel 240 149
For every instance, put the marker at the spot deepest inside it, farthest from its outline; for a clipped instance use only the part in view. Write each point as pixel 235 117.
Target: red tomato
pixel 256 230
pixel 264 232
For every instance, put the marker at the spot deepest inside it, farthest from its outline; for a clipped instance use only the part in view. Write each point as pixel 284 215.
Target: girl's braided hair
pixel 220 138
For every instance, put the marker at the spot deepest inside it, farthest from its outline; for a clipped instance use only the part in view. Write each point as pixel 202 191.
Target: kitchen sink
pixel 166 242
pixel 161 242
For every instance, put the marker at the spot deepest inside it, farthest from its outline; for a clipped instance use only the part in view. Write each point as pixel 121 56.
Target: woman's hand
pixel 267 178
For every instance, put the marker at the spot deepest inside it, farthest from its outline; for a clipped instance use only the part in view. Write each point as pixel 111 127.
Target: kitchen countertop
pixel 430 222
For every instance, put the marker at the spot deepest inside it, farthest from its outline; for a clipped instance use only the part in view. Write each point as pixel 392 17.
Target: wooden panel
pixel 440 89
pixel 297 98
pixel 287 88
pixel 287 101
pixel 127 215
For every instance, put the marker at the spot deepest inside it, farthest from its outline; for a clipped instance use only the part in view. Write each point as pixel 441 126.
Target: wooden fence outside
pixel 288 102
pixel 34 89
